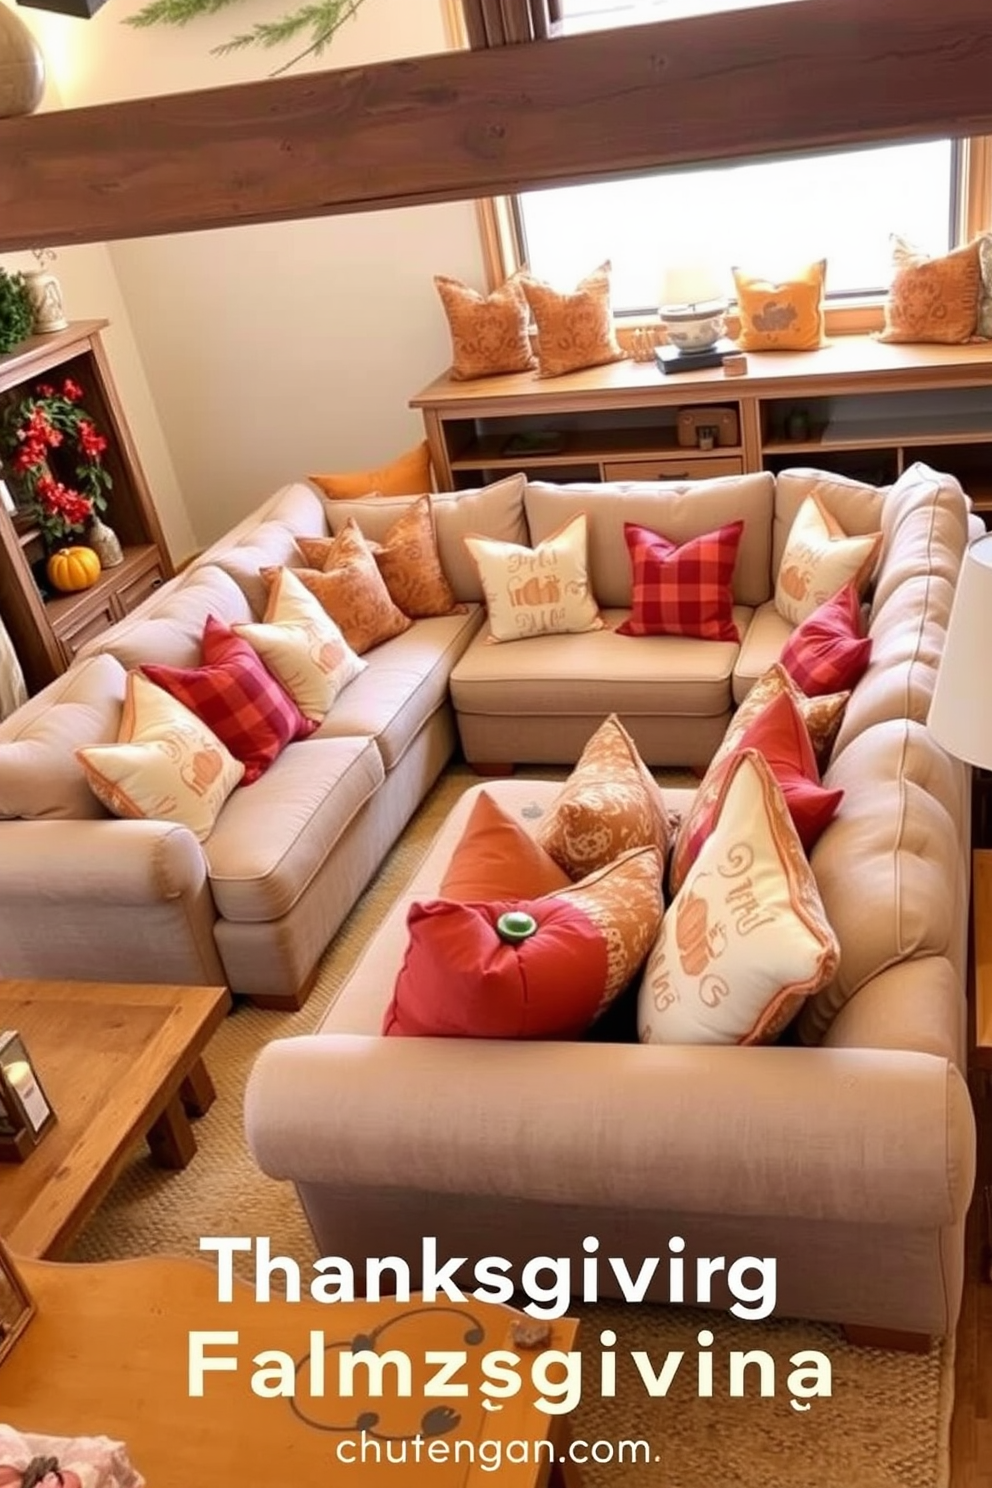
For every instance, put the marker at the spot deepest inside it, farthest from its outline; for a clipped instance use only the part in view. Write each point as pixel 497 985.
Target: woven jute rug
pixel 886 1424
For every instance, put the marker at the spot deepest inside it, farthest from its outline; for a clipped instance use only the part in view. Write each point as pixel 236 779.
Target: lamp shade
pixel 960 716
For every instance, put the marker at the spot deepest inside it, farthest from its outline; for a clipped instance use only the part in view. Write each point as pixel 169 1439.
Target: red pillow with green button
pixel 538 968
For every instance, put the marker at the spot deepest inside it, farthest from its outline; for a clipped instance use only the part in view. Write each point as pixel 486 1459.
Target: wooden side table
pixel 981 910
pixel 107 1354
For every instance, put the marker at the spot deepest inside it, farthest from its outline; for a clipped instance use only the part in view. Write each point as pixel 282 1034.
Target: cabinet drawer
pixel 74 636
pixel 136 588
pixel 673 467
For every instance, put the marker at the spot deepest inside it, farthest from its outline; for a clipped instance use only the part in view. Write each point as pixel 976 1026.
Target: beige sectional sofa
pixel 847 1151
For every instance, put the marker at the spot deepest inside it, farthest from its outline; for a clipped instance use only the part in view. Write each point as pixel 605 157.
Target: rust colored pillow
pixel 408 560
pixel 352 591
pixel 822 714
pixel 934 299
pixel 489 333
pixel 497 858
pixel 783 316
pixel 573 330
pixel 610 803
pixel 461 978
pixel 408 475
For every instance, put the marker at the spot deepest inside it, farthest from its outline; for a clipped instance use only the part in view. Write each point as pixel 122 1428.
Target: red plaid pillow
pixel 682 589
pixel 827 652
pixel 237 696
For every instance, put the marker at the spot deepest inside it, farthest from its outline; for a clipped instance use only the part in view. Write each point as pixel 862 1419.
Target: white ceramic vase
pixel 22 67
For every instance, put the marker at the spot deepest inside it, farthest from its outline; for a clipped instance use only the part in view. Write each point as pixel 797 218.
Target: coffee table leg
pixel 197 1091
pixel 171 1139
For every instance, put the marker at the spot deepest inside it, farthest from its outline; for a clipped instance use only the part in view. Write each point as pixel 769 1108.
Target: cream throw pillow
pixel 166 765
pixel 537 591
pixel 302 646
pixel 819 559
pixel 745 941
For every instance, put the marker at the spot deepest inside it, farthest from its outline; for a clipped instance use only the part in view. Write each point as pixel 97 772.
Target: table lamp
pixel 960 716
pixel 692 307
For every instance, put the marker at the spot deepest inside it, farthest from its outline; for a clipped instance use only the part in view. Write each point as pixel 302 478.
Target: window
pixel 766 216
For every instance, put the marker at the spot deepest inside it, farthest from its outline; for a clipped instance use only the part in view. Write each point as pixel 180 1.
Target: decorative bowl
pixel 694 327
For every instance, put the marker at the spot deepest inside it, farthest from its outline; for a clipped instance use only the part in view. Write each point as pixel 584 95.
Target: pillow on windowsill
pixel 933 299
pixel 490 334
pixel 236 696
pixel 786 315
pixel 682 589
pixel 167 765
pixel 574 330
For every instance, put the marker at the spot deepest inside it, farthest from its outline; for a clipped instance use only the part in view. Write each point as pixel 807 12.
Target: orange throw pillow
pixel 408 475
pixel 496 858
pixel 408 560
pixel 783 316
pixel 934 299
pixel 352 591
pixel 573 330
pixel 489 333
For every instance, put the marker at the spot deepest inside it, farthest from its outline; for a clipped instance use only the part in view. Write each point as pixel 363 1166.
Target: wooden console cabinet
pixel 856 406
pixel 48 629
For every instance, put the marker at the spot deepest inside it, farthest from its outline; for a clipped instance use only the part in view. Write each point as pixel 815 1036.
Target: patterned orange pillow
pixel 489 333
pixel 822 715
pixel 610 803
pixel 352 591
pixel 408 475
pixel 408 560
pixel 573 330
pixel 934 299
pixel 785 316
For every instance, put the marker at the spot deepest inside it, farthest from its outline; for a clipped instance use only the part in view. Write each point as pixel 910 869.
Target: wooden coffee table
pixel 118 1063
pixel 107 1354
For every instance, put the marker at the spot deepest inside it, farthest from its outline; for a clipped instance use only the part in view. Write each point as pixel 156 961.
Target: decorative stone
pixel 22 67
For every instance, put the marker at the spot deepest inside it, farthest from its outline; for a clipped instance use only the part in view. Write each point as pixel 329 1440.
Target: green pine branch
pixel 321 18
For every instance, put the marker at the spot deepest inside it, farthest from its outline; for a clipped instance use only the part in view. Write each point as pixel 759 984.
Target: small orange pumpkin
pixel 72 569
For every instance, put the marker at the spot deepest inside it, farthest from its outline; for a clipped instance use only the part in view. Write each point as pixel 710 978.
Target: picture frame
pixel 16 1303
pixel 26 1113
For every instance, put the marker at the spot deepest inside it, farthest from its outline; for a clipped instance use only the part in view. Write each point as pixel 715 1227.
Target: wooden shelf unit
pixel 47 630
pixel 871 410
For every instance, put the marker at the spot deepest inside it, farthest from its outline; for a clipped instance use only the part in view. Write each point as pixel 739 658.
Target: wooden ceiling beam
pixel 798 77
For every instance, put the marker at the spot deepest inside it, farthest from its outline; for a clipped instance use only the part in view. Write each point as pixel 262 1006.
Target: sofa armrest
pixel 846 1135
pixel 69 889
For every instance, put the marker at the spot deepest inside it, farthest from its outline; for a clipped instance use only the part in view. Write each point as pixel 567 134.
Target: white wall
pixel 272 351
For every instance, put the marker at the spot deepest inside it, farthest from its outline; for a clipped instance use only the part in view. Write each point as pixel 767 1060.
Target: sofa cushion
pixel 169 628
pixel 270 545
pixel 352 591
pixel 746 939
pixel 497 858
pixel 761 648
pixel 166 764
pixel 821 557
pixel 889 867
pixel 40 777
pixel 610 803
pixel 408 560
pixel 829 651
pixel 272 837
pixel 590 674
pixel 404 682
pixel 680 510
pixel 854 505
pixel 540 590
pixel 408 474
pixel 495 511
pixel 822 715
pixel 685 588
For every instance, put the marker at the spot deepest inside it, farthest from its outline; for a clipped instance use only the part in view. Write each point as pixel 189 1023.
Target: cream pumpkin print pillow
pixel 537 591
pixel 745 940
pixel 819 559
pixel 167 765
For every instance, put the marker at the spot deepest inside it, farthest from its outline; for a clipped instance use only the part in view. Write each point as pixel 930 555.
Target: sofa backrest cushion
pixel 495 511
pixel 890 867
pixel 679 510
pixel 924 535
pixel 270 545
pixel 40 776
pixel 169 628
pixel 856 506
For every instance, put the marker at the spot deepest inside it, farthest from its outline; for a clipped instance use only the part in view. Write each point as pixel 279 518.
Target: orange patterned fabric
pixel 573 330
pixel 822 715
pixel 783 316
pixel 352 591
pixel 934 299
pixel 610 803
pixel 408 475
pixel 489 333
pixel 624 900
pixel 408 560
pixel 745 939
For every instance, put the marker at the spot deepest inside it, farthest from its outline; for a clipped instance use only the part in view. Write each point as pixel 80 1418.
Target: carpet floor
pixel 886 1425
